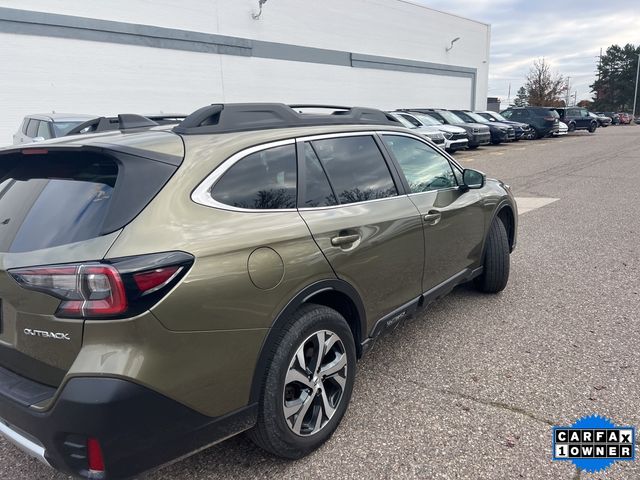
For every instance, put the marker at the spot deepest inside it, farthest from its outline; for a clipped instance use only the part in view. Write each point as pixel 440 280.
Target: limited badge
pixel 594 443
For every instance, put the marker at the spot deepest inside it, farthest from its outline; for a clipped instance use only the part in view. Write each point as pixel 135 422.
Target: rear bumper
pixel 138 429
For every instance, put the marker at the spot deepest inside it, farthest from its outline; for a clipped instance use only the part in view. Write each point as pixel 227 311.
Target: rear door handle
pixel 433 217
pixel 343 240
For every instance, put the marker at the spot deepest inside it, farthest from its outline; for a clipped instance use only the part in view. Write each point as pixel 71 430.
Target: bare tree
pixel 544 87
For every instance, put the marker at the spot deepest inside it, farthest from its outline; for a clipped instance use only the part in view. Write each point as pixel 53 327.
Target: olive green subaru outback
pixel 165 287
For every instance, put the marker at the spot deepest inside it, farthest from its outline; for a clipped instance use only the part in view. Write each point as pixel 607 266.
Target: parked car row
pixel 451 130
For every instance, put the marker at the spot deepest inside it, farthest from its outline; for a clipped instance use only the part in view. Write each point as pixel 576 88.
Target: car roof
pixel 61 117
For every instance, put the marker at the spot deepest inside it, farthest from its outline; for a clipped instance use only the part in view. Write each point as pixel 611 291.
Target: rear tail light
pixel 121 288
pixel 94 456
pixel 85 290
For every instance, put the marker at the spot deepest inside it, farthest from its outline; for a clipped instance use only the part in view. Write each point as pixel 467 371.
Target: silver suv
pixel 40 127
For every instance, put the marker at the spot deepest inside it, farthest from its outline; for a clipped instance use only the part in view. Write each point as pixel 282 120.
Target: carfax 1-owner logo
pixel 594 443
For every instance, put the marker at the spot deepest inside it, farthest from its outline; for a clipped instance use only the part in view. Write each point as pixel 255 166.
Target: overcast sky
pixel 568 33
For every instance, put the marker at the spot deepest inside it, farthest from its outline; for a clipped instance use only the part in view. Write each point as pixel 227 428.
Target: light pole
pixel 635 97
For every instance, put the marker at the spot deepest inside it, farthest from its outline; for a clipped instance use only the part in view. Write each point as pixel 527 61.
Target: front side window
pixel 424 168
pixel 356 168
pixel 262 180
pixel 62 128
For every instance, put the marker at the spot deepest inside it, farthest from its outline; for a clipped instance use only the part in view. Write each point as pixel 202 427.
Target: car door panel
pixel 384 260
pixel 453 243
pixel 453 219
pixel 375 245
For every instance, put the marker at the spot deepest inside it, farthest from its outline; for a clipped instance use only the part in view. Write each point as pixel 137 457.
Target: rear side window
pixel 356 168
pixel 44 131
pixel 317 190
pixel 263 180
pixel 52 200
pixel 32 128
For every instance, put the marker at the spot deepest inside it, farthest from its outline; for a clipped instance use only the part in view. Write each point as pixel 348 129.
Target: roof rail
pixel 239 117
pixel 124 121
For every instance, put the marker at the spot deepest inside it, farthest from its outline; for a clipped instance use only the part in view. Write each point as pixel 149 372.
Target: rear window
pixel 47 201
pixel 546 112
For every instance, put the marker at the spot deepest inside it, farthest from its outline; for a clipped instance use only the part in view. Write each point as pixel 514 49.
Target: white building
pixel 149 56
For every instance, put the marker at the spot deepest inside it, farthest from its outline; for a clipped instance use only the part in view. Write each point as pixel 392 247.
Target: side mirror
pixel 473 179
pixel 37 139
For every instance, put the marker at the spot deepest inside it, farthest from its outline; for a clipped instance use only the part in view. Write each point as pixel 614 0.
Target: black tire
pixel 572 127
pixel 495 273
pixel 272 431
pixel 473 147
pixel 593 127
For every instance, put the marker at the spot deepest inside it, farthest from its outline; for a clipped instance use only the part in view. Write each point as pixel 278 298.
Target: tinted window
pixel 23 127
pixel 424 168
pixel 507 113
pixel 356 168
pixel 262 180
pixel 317 191
pixel 54 200
pixel 43 130
pixel 32 128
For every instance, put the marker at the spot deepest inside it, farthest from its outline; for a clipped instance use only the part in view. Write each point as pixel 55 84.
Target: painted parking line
pixel 528 204
pixel 496 153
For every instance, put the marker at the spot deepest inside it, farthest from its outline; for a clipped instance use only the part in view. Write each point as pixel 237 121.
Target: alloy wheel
pixel 315 382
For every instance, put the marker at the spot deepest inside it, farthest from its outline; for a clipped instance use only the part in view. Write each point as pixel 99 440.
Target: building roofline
pixel 421 5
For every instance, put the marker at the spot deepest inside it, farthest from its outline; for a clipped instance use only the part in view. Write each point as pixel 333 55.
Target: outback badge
pixel 45 334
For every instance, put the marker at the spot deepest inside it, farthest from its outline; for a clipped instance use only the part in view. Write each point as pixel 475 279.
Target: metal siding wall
pixel 44 73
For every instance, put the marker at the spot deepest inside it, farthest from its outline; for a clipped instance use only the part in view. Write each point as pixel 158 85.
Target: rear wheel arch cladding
pixel 327 293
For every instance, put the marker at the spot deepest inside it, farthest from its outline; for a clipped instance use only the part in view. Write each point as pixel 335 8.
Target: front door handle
pixel 342 240
pixel 433 217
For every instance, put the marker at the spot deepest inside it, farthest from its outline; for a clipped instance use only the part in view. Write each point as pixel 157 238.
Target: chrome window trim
pixel 202 193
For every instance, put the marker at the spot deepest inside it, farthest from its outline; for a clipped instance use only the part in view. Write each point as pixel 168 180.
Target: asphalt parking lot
pixel 471 388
